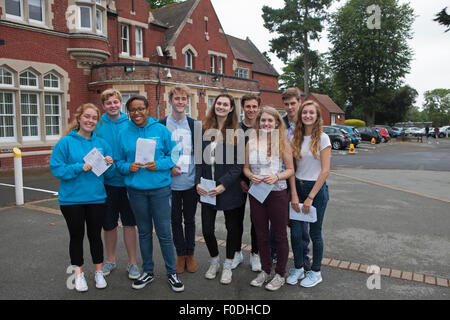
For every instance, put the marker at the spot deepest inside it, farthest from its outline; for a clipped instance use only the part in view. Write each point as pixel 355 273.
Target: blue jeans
pixel 154 207
pixel 315 230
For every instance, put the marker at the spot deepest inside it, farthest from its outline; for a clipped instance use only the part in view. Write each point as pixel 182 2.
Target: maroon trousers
pixel 276 210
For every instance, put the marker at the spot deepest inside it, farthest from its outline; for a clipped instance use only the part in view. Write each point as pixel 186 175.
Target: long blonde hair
pixel 282 140
pixel 75 124
pixel 299 132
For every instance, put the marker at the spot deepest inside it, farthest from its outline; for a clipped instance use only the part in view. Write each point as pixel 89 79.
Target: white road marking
pixel 55 193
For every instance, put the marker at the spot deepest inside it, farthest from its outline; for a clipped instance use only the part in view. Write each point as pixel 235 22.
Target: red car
pixel 384 134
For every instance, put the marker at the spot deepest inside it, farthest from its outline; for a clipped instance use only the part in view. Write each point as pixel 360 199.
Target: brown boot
pixel 179 265
pixel 191 265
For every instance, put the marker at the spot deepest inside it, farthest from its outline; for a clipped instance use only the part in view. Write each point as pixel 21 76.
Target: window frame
pixel 99 31
pixel 13 16
pixel 13 115
pixel 27 86
pixel 139 41
pixel 122 39
pixel 31 115
pixel 213 63
pixel 11 85
pixel 42 12
pixel 189 60
pixel 51 80
pixel 52 136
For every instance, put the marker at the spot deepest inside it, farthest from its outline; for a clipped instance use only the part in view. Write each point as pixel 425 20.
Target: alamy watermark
pixel 374 21
pixel 374 281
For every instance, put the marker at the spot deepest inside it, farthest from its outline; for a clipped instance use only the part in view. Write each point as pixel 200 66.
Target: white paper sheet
pixel 184 162
pixel 260 191
pixel 208 185
pixel 97 161
pixel 145 150
pixel 310 217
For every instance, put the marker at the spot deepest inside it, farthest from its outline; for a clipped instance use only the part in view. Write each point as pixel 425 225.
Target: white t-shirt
pixel 309 168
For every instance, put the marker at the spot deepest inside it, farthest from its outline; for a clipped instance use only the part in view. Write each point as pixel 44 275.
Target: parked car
pixel 388 128
pixel 338 137
pixel 352 132
pixel 367 133
pixel 444 131
pixel 412 131
pixel 398 131
pixel 430 132
pixel 384 134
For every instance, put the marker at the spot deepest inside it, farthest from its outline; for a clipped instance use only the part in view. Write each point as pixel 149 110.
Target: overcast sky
pixel 430 68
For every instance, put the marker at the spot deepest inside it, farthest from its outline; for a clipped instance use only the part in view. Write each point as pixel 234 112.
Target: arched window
pixel 28 79
pixel 6 77
pixel 188 58
pixel 51 81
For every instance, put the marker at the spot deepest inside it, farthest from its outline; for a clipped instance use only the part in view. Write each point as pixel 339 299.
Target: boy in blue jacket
pixel 113 121
pixel 148 186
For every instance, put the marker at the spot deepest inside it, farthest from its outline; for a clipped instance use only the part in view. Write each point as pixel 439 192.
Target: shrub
pixel 355 123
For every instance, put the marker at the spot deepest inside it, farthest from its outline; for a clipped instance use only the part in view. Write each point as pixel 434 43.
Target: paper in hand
pixel 97 161
pixel 260 191
pixel 145 150
pixel 310 217
pixel 208 185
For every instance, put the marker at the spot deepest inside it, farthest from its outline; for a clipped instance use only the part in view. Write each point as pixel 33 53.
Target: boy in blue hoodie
pixel 114 120
pixel 81 192
pixel 148 186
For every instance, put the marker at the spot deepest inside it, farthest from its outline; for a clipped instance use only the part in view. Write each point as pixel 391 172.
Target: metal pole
pixel 18 177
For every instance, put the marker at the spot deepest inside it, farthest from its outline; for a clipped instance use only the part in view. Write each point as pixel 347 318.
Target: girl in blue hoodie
pixel 148 186
pixel 81 193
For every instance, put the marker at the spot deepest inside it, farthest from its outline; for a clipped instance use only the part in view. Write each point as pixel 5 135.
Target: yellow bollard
pixel 372 141
pixel 351 149
pixel 18 177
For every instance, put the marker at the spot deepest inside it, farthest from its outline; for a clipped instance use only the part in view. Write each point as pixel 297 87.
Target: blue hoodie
pixel 145 179
pixel 66 163
pixel 109 130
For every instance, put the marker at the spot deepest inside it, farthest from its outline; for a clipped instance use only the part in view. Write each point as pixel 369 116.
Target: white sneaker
pixel 80 283
pixel 226 274
pixel 295 275
pixel 260 279
pixel 276 283
pixel 238 258
pixel 312 279
pixel 255 262
pixel 100 282
pixel 212 270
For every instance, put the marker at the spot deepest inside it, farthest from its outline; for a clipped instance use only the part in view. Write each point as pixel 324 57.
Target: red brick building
pixel 331 112
pixel 58 54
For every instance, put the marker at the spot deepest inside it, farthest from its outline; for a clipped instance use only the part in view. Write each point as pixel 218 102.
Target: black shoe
pixel 175 283
pixel 143 280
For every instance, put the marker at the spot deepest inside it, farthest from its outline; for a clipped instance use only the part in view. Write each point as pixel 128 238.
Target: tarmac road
pixel 393 219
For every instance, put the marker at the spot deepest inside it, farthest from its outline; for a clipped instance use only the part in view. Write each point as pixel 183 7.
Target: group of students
pixel 163 194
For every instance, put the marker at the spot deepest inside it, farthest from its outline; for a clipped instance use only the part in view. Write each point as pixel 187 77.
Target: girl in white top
pixel 266 152
pixel 312 152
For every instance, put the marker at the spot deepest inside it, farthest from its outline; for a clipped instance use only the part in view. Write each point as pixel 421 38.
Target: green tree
pixel 437 106
pixel 370 54
pixel 443 18
pixel 397 108
pixel 297 23
pixel 154 4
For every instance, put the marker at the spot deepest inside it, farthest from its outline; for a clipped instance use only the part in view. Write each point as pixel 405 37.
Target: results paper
pixel 97 161
pixel 310 217
pixel 260 191
pixel 145 150
pixel 208 185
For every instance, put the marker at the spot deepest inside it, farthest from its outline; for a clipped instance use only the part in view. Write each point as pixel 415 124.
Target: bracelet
pixel 278 178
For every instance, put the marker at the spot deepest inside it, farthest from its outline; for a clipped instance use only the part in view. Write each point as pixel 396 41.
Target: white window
pixel 99 20
pixel 85 18
pixel 210 101
pixel 51 81
pixel 242 73
pixel 28 79
pixel 221 65
pixel 139 43
pixel 36 10
pixel 98 1
pixel 29 108
pixel 188 59
pixel 125 97
pixel 52 108
pixel 213 64
pixel 14 8
pixel 7 117
pixel 6 78
pixel 125 37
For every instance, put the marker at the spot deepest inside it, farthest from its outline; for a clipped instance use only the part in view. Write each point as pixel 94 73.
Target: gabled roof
pixel 245 50
pixel 174 17
pixel 326 101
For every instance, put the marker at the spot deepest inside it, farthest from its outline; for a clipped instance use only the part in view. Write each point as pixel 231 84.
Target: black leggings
pixel 76 217
pixel 232 224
